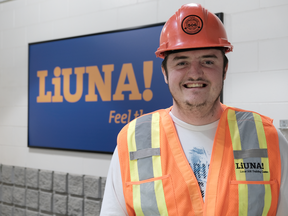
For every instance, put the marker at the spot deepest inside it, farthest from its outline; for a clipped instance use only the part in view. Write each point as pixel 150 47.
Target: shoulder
pixel 138 119
pixel 249 114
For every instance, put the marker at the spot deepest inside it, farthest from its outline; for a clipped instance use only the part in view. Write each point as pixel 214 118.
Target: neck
pixel 198 115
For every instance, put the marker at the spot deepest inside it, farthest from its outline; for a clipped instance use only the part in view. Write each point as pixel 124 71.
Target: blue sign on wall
pixel 83 90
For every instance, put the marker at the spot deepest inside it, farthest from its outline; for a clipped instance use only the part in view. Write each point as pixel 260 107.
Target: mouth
pixel 195 85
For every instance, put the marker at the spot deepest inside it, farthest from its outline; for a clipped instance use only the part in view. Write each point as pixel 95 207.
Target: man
pixel 198 157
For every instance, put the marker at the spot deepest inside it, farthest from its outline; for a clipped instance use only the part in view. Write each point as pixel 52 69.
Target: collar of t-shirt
pixel 183 124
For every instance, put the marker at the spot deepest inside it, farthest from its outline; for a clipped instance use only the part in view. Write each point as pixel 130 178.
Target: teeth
pixel 194 85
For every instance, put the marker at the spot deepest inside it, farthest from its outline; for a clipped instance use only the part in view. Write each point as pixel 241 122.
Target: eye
pixel 208 62
pixel 181 63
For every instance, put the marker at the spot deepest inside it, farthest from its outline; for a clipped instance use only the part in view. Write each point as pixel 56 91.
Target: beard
pixel 193 106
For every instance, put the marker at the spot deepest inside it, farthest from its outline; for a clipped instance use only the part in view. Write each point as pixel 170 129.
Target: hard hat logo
pixel 192 24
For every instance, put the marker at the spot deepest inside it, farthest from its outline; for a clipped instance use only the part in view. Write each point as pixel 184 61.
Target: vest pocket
pixel 149 196
pixel 255 197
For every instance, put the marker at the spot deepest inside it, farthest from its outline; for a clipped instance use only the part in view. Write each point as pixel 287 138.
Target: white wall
pixel 257 78
pixel 258 74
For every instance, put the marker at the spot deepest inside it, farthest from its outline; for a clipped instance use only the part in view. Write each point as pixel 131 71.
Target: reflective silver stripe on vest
pixel 148 199
pixel 143 153
pixel 250 145
pixel 143 141
pixel 250 153
pixel 145 166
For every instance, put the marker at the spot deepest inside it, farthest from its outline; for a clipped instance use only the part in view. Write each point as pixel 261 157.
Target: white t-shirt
pixel 197 143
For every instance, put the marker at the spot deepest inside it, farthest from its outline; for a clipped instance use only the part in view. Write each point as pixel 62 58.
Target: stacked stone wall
pixel 33 192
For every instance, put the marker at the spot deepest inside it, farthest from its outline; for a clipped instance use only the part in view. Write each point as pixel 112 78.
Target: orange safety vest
pixel 244 173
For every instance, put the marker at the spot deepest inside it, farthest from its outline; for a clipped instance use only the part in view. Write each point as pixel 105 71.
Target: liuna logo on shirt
pixel 249 166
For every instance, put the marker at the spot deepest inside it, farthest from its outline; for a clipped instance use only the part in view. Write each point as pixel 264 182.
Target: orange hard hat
pixel 192 26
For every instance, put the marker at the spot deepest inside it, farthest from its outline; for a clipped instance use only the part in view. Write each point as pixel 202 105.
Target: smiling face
pixel 195 78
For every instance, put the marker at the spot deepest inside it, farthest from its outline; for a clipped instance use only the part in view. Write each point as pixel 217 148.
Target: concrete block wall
pixel 28 191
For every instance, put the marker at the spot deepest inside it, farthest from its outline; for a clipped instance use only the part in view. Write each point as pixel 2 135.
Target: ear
pixel 164 74
pixel 225 71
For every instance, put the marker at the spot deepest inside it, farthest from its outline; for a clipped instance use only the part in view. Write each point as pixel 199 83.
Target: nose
pixel 194 71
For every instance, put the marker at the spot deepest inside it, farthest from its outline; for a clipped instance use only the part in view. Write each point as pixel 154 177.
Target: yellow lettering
pixel 124 116
pixel 136 114
pixel 129 115
pixel 117 117
pixel 72 98
pixel 111 115
pixel 95 78
pixel 43 98
pixel 57 97
pixel 147 72
pixel 127 71
pixel 126 83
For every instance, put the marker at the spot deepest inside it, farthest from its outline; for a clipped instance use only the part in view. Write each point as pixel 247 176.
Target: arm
pixel 283 196
pixel 113 200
